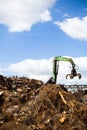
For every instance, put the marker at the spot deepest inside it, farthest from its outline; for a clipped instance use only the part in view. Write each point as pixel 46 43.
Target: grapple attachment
pixel 73 73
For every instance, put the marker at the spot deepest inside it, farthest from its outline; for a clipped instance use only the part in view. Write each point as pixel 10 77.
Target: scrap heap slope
pixel 29 104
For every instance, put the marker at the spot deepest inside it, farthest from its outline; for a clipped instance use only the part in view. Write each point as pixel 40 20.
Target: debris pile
pixel 29 104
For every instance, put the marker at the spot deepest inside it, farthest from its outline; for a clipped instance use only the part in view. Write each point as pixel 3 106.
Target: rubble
pixel 29 104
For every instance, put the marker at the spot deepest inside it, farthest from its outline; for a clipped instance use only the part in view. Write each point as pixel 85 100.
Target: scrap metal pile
pixel 29 104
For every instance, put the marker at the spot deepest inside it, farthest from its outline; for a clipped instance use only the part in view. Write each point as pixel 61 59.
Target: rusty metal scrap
pixel 29 104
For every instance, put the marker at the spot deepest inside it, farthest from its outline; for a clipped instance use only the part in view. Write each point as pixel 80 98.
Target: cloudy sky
pixel 32 32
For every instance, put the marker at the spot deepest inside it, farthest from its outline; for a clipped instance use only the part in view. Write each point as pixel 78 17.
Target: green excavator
pixel 73 73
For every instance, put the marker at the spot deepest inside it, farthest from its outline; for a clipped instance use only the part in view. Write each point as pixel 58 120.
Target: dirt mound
pixel 29 104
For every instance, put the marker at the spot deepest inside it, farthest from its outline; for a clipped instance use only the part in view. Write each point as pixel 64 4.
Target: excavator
pixel 73 73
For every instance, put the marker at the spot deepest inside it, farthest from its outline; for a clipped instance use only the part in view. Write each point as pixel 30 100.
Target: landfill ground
pixel 29 104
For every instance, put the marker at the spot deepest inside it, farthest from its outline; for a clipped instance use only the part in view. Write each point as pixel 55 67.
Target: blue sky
pixel 38 29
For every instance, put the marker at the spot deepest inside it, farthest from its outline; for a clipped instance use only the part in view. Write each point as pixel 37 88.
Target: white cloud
pixel 39 69
pixel 74 27
pixel 31 66
pixel 20 15
pixel 42 70
pixel 0 70
pixel 66 15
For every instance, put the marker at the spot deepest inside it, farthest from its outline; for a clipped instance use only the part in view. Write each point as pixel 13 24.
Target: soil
pixel 29 104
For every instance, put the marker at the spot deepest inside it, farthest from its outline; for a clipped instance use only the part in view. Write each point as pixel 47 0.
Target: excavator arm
pixel 56 60
pixel 60 58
